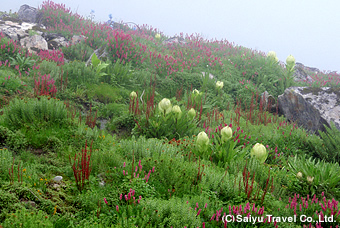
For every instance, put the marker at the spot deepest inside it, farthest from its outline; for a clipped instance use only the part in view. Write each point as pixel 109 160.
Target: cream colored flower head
pixel 272 55
pixel 299 175
pixel 219 85
pixel 165 105
pixel 226 133
pixel 176 109
pixel 195 91
pixel 202 141
pixel 133 95
pixel 290 60
pixel 192 113
pixel 259 151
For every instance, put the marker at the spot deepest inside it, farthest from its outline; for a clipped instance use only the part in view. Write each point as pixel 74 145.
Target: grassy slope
pixel 159 176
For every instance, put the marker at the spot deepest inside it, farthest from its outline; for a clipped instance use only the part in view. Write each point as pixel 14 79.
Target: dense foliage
pixel 157 134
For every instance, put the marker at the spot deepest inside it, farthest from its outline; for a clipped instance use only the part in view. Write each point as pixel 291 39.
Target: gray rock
pixel 174 40
pixel 29 14
pixel 57 178
pixel 15 30
pixel 311 107
pixel 4 15
pixel 325 99
pixel 302 73
pixel 34 43
pixel 57 43
pixel 268 102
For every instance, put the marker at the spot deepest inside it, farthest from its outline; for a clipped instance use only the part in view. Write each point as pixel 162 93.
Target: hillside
pixel 117 125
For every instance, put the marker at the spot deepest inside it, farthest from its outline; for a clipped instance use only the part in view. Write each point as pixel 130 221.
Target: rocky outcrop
pixel 55 40
pixel 302 73
pixel 311 107
pixel 15 30
pixel 29 14
pixel 174 40
pixel 34 43
pixel 33 36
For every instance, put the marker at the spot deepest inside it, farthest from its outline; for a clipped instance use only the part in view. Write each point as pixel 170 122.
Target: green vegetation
pixel 154 134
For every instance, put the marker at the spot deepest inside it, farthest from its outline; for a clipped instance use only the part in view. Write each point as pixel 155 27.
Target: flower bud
pixel 165 105
pixel 272 55
pixel 290 60
pixel 290 63
pixel 219 85
pixel 259 152
pixel 192 113
pixel 226 133
pixel 202 141
pixel 176 109
pixel 299 175
pixel 196 92
pixel 310 179
pixel 133 95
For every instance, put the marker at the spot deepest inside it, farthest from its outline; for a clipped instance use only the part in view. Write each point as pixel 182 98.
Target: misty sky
pixel 307 29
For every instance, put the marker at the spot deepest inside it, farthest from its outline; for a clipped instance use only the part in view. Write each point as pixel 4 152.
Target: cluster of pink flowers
pixel 52 55
pixel 45 86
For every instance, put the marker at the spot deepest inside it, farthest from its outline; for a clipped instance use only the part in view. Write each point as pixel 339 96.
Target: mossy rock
pixel 38 28
pixel 16 20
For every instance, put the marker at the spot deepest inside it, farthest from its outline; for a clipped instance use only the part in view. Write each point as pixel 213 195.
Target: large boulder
pixel 34 43
pixel 55 40
pixel 29 14
pixel 311 107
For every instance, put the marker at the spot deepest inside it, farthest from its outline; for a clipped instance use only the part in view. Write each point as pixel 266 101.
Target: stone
pixel 15 30
pixel 34 43
pixel 174 40
pixel 268 102
pixel 29 14
pixel 55 40
pixel 325 99
pixel 302 72
pixel 3 15
pixel 310 107
pixel 57 178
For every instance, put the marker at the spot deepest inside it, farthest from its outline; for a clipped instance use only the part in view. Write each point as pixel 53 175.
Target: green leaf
pixel 94 60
